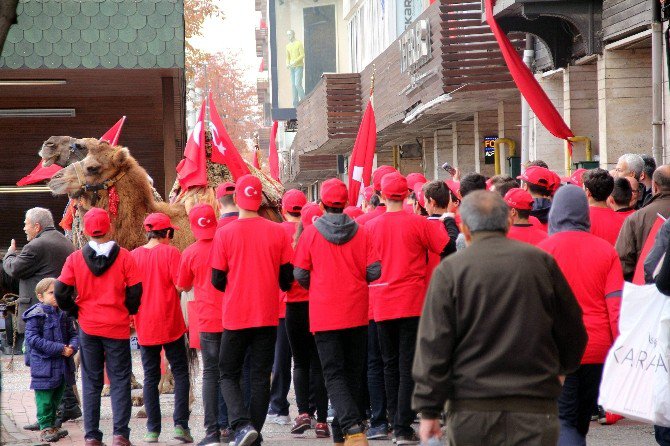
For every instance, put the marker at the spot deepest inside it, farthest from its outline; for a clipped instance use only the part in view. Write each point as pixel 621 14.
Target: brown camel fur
pixel 106 162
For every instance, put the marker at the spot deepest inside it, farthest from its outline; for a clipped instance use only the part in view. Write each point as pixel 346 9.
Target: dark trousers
pixel 575 404
pixel 662 435
pixel 93 351
pixel 234 345
pixel 343 356
pixel 397 340
pixel 69 402
pixel 307 372
pixel 281 372
pixel 216 413
pixel 376 387
pixel 175 352
pixel 466 428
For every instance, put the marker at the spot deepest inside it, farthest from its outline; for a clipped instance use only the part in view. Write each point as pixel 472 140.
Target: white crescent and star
pixel 196 133
pixel 202 222
pixel 250 194
pixel 217 141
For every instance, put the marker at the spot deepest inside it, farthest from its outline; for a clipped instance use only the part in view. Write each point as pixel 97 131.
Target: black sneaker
pixel 377 433
pixel 210 440
pixel 32 427
pixel 407 439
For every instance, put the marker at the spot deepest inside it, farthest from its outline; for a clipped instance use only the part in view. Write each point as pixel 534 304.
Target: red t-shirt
pixel 537 223
pixel 338 291
pixel 593 270
pixel 297 293
pixel 605 223
pixel 159 319
pixel 403 242
pixel 195 271
pixel 251 250
pixel 227 218
pixel 433 258
pixel 409 208
pixel 101 300
pixel 376 212
pixel 526 233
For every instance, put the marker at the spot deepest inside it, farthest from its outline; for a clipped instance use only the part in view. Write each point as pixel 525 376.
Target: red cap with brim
pixel 249 193
pixel 538 176
pixel 203 221
pixel 518 198
pixel 378 174
pixel 394 186
pixel 158 221
pixel 454 187
pixel 414 178
pixel 334 193
pixel 418 193
pixel 577 177
pixel 368 192
pixel 96 222
pixel 224 189
pixel 293 200
pixel 310 212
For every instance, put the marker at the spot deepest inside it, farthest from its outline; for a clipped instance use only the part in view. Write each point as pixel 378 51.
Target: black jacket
pixel 499 323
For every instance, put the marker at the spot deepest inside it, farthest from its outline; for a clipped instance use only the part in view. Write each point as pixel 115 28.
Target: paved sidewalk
pixel 18 409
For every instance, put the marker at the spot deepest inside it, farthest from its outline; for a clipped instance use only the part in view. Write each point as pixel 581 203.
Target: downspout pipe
pixel 657 148
pixel 528 59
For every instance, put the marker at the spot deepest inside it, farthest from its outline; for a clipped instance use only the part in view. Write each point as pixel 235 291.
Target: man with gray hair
pixel 43 256
pixel 479 357
pixel 629 165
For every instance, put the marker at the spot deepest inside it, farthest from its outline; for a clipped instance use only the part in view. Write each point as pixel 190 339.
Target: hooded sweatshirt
pixel 541 208
pixel 591 267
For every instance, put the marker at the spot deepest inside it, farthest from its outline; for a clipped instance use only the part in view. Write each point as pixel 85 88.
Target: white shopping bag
pixel 636 376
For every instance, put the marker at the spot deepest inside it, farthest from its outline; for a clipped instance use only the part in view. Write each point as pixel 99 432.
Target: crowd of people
pixel 484 305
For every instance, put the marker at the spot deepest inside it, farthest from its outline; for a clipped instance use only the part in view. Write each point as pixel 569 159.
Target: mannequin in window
pixel 295 62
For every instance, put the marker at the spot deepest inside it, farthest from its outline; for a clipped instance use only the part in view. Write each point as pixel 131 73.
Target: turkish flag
pixel 223 150
pixel 192 170
pixel 638 277
pixel 40 173
pixel 112 135
pixel 273 156
pixel 527 84
pixel 362 155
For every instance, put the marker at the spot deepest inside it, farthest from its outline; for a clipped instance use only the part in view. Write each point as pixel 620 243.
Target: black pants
pixel 216 412
pixel 234 345
pixel 376 387
pixel 343 356
pixel 93 352
pixel 662 435
pixel 281 372
pixel 177 357
pixel 397 339
pixel 307 372
pixel 575 404
pixel 69 402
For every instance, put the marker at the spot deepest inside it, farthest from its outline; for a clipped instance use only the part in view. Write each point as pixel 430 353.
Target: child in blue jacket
pixel 52 340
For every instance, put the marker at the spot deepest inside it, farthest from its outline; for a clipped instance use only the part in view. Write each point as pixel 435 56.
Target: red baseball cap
pixel 158 221
pixel 577 177
pixel 353 212
pixel 414 178
pixel 96 222
pixel 378 174
pixel 203 221
pixel 310 212
pixel 368 192
pixel 293 200
pixel 538 176
pixel 518 198
pixel 418 192
pixel 334 193
pixel 454 187
pixel 394 186
pixel 224 189
pixel 249 192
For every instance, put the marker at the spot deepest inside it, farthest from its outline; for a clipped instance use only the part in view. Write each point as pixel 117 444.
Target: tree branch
pixel 7 18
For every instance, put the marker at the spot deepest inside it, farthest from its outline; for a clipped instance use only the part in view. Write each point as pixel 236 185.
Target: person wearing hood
pixel 251 262
pixel 335 260
pixel 592 268
pixel 538 181
pixel 109 288
pixel 403 242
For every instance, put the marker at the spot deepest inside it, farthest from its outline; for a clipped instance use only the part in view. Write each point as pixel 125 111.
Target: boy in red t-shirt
pixel 160 326
pixel 196 273
pixel 109 289
pixel 403 241
pixel 520 204
pixel 227 209
pixel 251 261
pixel 335 260
pixel 605 223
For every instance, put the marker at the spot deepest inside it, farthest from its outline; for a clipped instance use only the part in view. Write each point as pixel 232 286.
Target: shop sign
pixel 415 46
pixel 489 149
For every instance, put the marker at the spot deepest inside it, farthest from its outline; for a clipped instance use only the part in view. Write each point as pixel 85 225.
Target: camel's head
pixel 62 150
pixel 102 163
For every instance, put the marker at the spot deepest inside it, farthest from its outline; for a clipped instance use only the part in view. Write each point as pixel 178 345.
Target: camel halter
pixel 74 151
pixel 96 187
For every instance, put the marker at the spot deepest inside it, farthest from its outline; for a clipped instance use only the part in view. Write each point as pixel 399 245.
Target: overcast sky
pixel 234 33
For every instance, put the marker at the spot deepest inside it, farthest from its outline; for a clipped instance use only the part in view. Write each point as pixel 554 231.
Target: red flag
pixel 257 159
pixel 40 173
pixel 527 84
pixel 112 135
pixel 223 150
pixel 638 277
pixel 192 170
pixel 273 156
pixel 362 155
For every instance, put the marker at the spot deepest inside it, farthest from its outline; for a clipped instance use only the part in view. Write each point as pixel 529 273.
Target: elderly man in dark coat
pixel 43 256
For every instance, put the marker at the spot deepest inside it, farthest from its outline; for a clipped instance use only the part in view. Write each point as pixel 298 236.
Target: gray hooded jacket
pixel 569 210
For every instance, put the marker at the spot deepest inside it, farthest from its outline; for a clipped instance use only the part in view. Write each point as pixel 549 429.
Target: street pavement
pixel 18 409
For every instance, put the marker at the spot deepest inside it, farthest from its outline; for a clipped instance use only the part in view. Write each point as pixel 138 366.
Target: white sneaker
pixel 282 420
